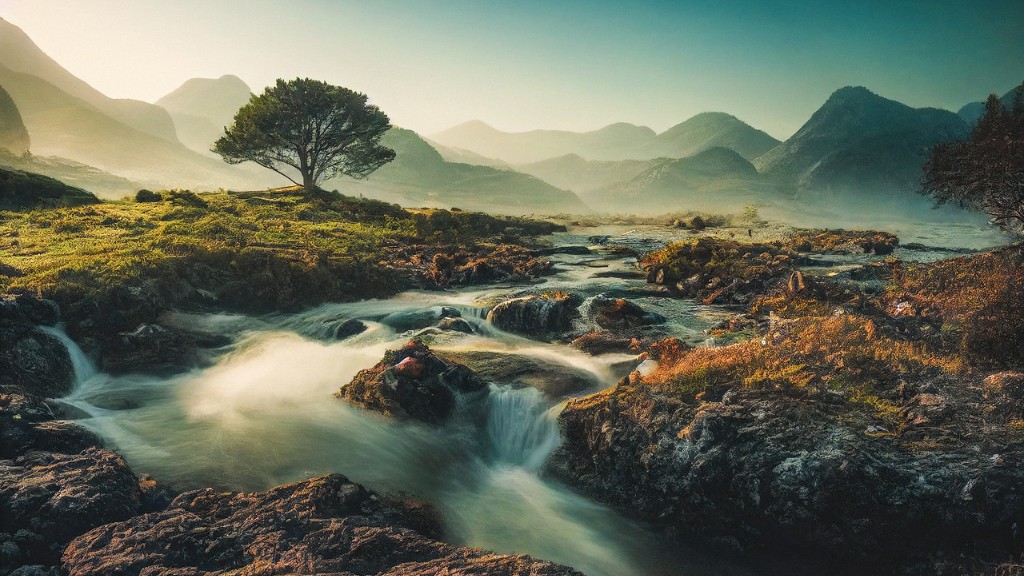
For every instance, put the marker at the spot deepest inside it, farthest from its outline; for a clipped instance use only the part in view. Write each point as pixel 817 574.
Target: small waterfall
pixel 520 429
pixel 84 368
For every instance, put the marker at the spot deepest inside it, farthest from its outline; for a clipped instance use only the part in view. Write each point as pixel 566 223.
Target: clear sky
pixel 524 64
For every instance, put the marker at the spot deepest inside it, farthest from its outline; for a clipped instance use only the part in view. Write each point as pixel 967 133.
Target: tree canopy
pixel 311 127
pixel 985 171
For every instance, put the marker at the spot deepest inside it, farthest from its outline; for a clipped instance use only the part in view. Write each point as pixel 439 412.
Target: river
pixel 263 413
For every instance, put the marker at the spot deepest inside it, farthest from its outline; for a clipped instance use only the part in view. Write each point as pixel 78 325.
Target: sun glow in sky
pixel 520 65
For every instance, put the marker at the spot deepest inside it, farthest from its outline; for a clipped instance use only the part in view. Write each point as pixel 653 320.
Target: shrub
pixel 148 196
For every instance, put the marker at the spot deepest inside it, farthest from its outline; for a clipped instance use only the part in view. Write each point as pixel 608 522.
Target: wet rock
pixel 60 496
pixel 150 349
pixel 416 319
pixel 542 316
pixel 620 314
pixel 324 525
pixel 554 379
pixel 27 423
pixel 32 359
pixel 604 342
pixel 455 325
pixel 413 383
pixel 349 328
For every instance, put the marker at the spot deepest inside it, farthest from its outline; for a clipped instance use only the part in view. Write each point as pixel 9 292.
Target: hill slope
pixel 718 179
pixel 26 191
pixel 572 172
pixel 20 54
pixel 68 127
pixel 862 145
pixel 13 135
pixel 419 176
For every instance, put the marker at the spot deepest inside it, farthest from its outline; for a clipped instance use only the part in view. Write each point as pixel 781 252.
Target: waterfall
pixel 520 429
pixel 84 368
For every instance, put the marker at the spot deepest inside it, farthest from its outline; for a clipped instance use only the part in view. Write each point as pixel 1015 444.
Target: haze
pixel 575 65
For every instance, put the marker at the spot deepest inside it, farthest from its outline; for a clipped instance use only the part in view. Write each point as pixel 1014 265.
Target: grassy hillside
pixel 25 191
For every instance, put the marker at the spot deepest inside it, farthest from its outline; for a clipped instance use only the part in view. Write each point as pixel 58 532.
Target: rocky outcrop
pixel 543 316
pixel 150 349
pixel 413 383
pixel 56 497
pixel 618 314
pixel 324 525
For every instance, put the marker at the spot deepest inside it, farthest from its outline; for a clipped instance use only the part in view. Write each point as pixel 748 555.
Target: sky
pixel 526 64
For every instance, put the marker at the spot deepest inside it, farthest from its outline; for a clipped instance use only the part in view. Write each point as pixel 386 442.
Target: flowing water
pixel 263 413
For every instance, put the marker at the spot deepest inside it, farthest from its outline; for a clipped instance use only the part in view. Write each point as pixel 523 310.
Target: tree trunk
pixel 307 180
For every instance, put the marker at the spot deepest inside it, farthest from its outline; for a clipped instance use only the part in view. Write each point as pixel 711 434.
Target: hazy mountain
pixel 13 135
pixel 203 107
pixel 419 176
pixel 859 144
pixel 717 179
pixel 970 113
pixel 613 142
pixel 19 53
pixel 572 172
pixel 65 126
pixel 461 156
pixel 709 130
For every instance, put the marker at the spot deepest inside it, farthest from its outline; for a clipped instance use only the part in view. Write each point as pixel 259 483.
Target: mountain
pixel 419 176
pixel 65 126
pixel 715 179
pixel 613 142
pixel 710 130
pixel 13 135
pixel 18 53
pixel 573 172
pixel 461 156
pixel 859 144
pixel 970 113
pixel 203 107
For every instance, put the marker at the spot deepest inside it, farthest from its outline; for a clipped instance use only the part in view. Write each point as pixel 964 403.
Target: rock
pixel 36 570
pixel 416 319
pixel 555 380
pixel 150 349
pixel 604 342
pixel 27 423
pixel 773 472
pixel 455 325
pixel 541 316
pixel 349 328
pixel 620 314
pixel 60 496
pixel 36 311
pixel 412 383
pixel 324 525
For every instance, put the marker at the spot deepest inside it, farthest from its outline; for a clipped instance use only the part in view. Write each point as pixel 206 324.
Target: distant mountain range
pixel 857 150
pixel 973 111
pixel 614 142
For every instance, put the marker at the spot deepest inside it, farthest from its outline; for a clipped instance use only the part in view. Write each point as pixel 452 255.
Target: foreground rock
pixel 413 383
pixel 324 525
pixel 46 499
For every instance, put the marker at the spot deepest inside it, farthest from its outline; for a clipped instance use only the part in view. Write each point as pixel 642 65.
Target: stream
pixel 263 413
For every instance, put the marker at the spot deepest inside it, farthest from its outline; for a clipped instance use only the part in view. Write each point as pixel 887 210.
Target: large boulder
pixel 619 314
pixel 554 379
pixel 57 497
pixel 539 316
pixel 27 423
pixel 150 349
pixel 413 383
pixel 324 525
pixel 30 358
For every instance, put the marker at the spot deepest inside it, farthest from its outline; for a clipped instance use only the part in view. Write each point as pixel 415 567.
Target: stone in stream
pixel 421 318
pixel 619 314
pixel 323 525
pixel 150 349
pixel 554 379
pixel 413 383
pixel 349 328
pixel 542 316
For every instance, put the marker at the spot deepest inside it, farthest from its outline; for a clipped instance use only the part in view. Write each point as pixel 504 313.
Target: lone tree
pixel 985 171
pixel 318 129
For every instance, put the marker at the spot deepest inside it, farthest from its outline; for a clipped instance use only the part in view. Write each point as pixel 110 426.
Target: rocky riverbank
pixel 855 432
